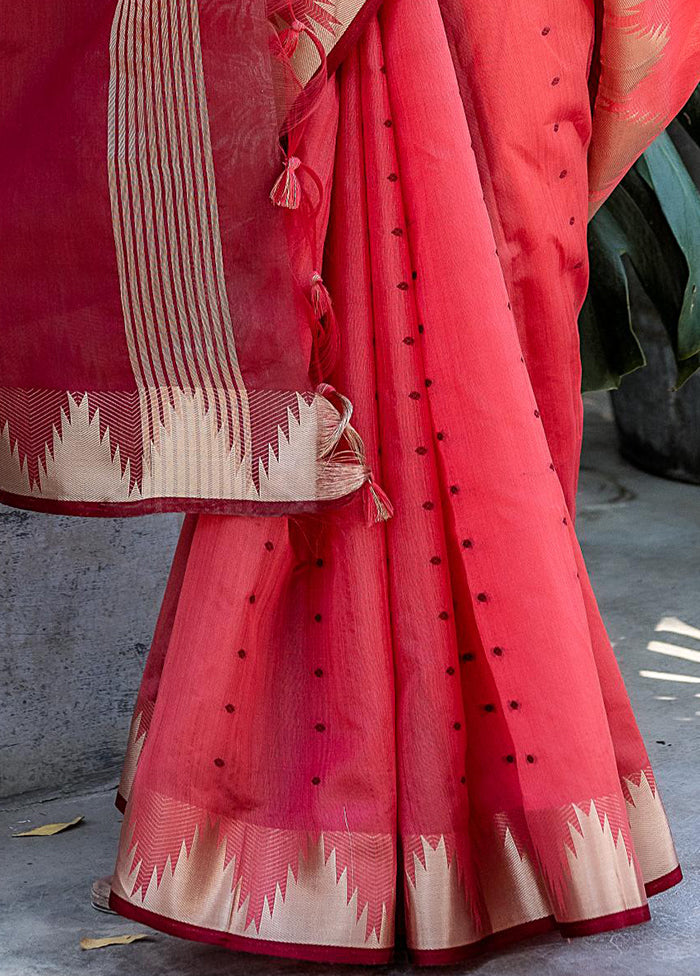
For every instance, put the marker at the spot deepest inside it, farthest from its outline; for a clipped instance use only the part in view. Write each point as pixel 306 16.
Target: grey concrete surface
pixel 641 537
pixel 78 602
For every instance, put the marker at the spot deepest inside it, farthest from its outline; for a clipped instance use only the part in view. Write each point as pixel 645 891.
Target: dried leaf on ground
pixel 112 940
pixel 48 830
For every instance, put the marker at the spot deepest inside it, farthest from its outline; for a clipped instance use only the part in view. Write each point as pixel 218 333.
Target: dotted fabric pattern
pixel 441 686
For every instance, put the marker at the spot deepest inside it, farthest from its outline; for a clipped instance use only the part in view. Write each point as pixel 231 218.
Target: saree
pixel 353 737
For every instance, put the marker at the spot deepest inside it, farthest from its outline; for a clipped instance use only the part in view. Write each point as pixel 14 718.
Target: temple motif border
pixel 109 453
pixel 275 891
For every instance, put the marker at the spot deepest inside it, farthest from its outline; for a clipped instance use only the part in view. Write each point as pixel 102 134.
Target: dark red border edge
pixel 160 506
pixel 421 957
pixel 289 950
pixel 120 802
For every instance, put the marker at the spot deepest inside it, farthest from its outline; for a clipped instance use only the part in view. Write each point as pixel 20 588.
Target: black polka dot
pixel 428 382
pixel 402 286
pixel 388 123
pixel 316 780
pixel 450 670
pixel 319 562
pixel 467 544
pixel 530 758
pixel 269 546
pixel 489 708
pixel 421 450
pixel 319 672
pixel 440 435
pixel 514 705
pixel 454 489
pixel 556 80
pixel 241 653
pixel 536 412
pixel 392 177
pixel 556 126
pixel 443 615
pixel 510 759
pixel 219 762
pixel 421 329
pixel 230 709
pixel 397 232
pixel 551 467
pixel 498 651
pixel 320 727
pixel 414 275
pixel 318 618
pixel 562 174
pixel 545 31
pixel 428 506
pixel 457 726
pixel 435 560
pixel 251 598
pixel 409 340
pixel 414 395
pixel 463 779
pixel 565 521
pixel 481 597
pixel 468 656
pixel 572 220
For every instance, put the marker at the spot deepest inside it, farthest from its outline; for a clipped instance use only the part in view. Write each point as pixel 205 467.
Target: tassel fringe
pixel 326 337
pixel 287 189
pixel 289 38
pixel 378 508
pixel 377 505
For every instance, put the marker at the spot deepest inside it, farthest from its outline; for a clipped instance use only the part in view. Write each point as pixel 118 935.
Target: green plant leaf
pixel 648 229
pixel 680 201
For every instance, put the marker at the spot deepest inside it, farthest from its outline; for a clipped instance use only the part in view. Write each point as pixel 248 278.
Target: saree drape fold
pixel 350 739
pixel 346 737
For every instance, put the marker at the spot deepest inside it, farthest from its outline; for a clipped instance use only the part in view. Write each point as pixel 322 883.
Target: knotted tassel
pixel 287 189
pixel 289 38
pixel 320 296
pixel 326 336
pixel 378 508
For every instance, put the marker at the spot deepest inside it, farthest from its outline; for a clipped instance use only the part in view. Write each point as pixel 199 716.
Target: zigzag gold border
pixel 295 887
pixel 82 460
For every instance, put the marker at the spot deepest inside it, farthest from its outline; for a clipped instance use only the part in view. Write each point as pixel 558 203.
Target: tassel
pixel 289 38
pixel 326 337
pixel 320 297
pixel 378 508
pixel 287 189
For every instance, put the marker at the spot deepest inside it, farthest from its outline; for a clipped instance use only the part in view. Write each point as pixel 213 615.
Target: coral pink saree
pixel 350 737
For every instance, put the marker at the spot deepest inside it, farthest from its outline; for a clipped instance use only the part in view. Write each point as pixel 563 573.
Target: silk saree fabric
pixel 347 737
pixel 417 734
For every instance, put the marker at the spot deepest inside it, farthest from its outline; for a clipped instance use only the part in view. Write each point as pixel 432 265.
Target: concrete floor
pixel 641 537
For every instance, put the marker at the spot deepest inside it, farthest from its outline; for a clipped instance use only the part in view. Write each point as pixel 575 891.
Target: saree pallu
pixel 156 331
pixel 347 737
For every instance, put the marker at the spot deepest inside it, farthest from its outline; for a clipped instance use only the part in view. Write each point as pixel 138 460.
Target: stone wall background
pixel 79 600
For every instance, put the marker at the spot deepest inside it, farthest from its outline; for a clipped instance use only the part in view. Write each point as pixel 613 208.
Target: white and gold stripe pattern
pixel 166 226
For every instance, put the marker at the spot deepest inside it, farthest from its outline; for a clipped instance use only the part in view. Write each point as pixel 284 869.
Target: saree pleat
pixel 350 738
